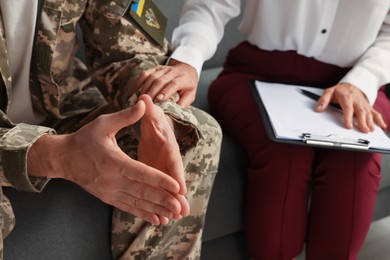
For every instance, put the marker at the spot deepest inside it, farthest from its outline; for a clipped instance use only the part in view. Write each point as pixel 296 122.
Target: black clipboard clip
pixel 335 141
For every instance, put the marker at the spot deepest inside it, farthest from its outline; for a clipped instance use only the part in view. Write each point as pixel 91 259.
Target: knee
pixel 280 156
pixel 210 131
pixel 203 158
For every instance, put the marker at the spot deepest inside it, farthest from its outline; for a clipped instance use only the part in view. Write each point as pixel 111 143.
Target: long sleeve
pixel 15 141
pixel 372 70
pixel 201 28
pixel 329 31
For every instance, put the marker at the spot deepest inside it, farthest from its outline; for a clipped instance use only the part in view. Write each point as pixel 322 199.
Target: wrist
pixel 184 67
pixel 42 157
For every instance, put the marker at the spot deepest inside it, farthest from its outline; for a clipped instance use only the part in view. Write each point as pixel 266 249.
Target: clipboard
pixel 328 130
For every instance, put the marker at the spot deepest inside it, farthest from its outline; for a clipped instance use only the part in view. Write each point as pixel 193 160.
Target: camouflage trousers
pixel 133 238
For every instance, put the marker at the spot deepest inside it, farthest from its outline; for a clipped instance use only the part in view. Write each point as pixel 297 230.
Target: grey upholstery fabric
pixel 63 222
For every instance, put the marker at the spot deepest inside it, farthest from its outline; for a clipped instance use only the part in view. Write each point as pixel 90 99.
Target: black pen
pixel 317 97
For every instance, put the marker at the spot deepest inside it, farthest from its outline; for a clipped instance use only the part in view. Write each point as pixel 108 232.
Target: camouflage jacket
pixel 62 86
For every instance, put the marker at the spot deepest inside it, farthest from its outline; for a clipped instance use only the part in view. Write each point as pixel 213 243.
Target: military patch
pixel 138 6
pixel 149 18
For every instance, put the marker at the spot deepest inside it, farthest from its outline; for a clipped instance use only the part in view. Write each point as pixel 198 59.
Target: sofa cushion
pixel 385 171
pixel 225 211
pixel 207 76
pixel 224 215
pixel 62 222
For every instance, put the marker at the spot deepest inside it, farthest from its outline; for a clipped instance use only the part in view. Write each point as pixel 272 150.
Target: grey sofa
pixel 64 222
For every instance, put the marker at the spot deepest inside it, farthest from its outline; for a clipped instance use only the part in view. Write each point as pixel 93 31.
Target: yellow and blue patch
pixel 138 6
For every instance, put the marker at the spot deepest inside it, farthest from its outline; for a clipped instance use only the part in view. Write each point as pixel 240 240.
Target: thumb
pixel 118 120
pixel 185 100
pixel 150 109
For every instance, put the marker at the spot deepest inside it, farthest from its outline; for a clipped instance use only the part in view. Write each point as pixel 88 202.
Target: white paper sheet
pixel 291 114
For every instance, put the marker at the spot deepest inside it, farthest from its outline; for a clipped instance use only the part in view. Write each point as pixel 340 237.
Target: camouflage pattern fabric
pixel 7 220
pixel 72 93
pixel 133 238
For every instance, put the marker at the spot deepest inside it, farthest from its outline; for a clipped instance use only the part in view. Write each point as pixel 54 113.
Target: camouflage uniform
pixel 71 94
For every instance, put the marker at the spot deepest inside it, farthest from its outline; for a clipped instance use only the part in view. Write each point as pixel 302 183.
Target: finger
pixel 347 115
pixel 151 110
pixel 361 118
pixel 145 174
pixel 152 82
pixel 144 75
pixel 378 119
pixel 177 172
pixel 175 169
pixel 324 101
pixel 185 207
pixel 150 196
pixel 149 217
pixel 158 80
pixel 186 99
pixel 147 101
pixel 116 121
pixel 370 121
pixel 144 205
pixel 168 90
pixel 163 220
pixel 163 88
pixel 177 217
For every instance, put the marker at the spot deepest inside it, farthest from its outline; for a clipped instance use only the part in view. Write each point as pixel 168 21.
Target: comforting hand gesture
pixel 161 82
pixel 92 159
pixel 354 104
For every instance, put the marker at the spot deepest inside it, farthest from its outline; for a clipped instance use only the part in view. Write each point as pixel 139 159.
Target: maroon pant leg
pixel 342 203
pixel 279 174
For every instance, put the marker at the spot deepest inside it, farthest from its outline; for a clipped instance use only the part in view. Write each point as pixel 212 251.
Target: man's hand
pixel 92 159
pixel 354 104
pixel 161 82
pixel 158 148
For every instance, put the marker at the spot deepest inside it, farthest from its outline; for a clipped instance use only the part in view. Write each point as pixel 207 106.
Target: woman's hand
pixel 161 82
pixel 354 104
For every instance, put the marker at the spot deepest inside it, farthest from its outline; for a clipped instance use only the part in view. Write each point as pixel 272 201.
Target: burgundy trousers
pixel 297 195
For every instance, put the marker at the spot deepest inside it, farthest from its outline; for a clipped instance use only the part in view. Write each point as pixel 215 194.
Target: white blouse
pixel 347 33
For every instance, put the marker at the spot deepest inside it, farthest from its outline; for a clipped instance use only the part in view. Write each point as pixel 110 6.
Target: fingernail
pixel 160 97
pixel 177 217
